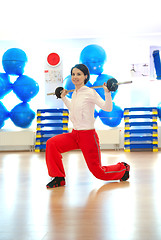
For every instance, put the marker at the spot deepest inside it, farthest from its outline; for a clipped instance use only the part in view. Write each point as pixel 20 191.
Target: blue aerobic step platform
pixel 141 129
pixel 153 110
pixel 149 139
pixel 50 122
pixel 132 125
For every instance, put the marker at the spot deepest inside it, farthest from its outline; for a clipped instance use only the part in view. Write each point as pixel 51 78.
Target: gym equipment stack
pixel 50 122
pixel 140 129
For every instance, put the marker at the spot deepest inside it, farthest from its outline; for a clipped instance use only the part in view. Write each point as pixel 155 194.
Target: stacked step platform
pixel 141 129
pixel 50 122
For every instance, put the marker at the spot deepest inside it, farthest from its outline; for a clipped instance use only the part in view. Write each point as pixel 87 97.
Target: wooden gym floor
pixel 86 208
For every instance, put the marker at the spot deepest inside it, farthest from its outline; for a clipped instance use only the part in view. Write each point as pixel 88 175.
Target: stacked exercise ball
pixel 94 57
pixel 24 87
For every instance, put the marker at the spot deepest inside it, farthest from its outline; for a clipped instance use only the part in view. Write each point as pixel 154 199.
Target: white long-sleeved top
pixel 82 105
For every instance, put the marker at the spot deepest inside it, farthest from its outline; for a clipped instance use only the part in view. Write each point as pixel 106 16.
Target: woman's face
pixel 78 77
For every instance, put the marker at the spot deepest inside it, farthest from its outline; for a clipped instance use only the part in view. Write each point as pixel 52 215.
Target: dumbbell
pixel 112 86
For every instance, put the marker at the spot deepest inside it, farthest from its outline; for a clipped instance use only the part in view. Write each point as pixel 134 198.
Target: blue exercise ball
pixel 22 115
pixel 25 88
pixel 100 81
pixel 14 61
pixel 96 114
pixel 4 114
pixel 5 85
pixel 113 118
pixel 94 57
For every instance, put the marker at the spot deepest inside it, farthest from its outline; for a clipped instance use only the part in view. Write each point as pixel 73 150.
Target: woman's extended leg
pixel 89 144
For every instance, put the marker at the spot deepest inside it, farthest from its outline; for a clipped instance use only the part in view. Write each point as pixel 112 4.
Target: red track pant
pixel 88 142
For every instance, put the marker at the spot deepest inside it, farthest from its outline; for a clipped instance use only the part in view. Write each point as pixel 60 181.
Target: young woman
pixel 83 136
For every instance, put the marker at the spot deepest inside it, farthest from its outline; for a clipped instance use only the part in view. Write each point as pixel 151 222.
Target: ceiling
pixel 52 19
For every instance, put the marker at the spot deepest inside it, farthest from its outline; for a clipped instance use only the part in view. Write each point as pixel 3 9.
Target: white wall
pixel 121 52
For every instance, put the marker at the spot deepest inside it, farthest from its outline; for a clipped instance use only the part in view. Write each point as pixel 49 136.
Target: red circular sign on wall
pixel 53 59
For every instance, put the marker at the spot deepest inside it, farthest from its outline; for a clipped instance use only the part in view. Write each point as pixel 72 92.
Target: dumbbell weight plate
pixel 112 84
pixel 58 91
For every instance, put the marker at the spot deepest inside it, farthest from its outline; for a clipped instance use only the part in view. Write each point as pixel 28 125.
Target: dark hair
pixel 84 69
